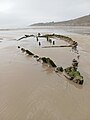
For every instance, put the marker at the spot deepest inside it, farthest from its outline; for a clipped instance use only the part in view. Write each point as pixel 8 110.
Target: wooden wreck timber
pixel 53 42
pixel 70 73
pixel 29 52
pixel 48 61
pixel 71 42
pixel 39 43
pixel 37 38
pixel 57 46
pixel 49 36
pixel 68 39
pixel 74 75
pixel 18 46
pixel 26 36
pixel 58 69
pixel 75 63
pixel 36 56
pixel 23 50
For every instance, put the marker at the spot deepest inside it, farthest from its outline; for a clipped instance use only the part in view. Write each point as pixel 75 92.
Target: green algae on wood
pixel 73 74
pixel 48 61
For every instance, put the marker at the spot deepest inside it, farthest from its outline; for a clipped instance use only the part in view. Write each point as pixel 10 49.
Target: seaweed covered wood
pixel 73 74
pixel 48 61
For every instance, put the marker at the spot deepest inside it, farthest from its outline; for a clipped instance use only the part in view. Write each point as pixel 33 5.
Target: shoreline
pixel 73 29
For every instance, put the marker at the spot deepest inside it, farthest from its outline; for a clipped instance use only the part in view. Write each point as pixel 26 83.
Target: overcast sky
pixel 17 13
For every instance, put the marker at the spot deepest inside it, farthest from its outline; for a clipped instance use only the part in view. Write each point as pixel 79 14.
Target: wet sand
pixel 30 90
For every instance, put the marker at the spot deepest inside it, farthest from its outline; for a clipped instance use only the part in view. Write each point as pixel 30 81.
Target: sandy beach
pixel 30 90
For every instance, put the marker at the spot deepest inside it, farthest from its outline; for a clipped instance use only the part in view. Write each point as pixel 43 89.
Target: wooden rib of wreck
pixel 29 52
pixel 48 61
pixel 58 69
pixel 18 46
pixel 68 39
pixel 51 63
pixel 57 46
pixel 26 36
pixel 73 75
pixel 36 56
pixel 23 50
